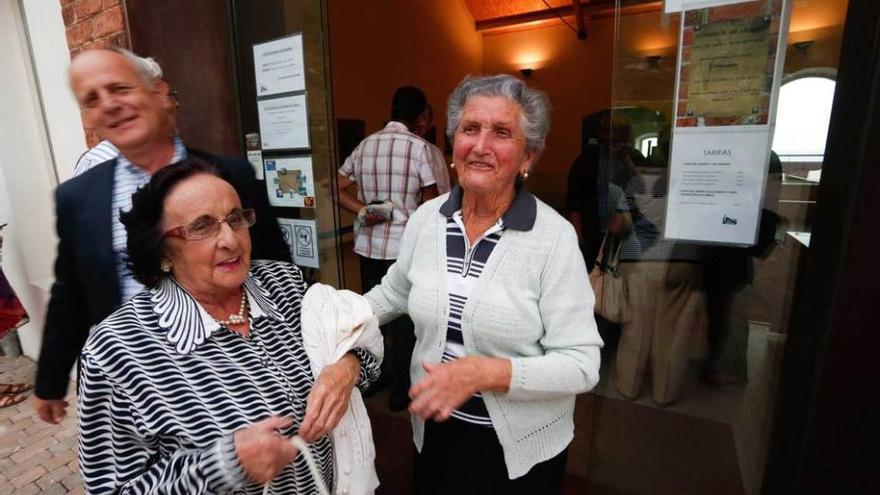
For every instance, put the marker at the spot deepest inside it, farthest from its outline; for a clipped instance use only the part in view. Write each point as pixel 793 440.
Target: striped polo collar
pixel 179 154
pixel 185 321
pixel 520 216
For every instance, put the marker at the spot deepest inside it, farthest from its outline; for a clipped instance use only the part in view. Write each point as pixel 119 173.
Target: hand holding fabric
pixel 329 398
pixel 262 450
pixel 375 213
pixel 371 219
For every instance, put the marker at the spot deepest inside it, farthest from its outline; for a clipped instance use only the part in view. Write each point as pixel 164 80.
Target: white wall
pixel 51 59
pixel 31 146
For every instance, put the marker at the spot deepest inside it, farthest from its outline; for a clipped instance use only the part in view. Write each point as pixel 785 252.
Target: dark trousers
pixel 399 335
pixel 461 458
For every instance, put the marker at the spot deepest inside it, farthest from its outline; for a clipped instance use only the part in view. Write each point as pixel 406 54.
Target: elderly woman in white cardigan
pixel 502 306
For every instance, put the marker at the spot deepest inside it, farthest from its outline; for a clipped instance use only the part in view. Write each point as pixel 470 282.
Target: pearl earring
pixel 165 266
pixel 525 175
pixel 452 165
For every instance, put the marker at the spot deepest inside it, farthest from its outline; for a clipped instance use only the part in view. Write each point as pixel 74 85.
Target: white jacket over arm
pixel 333 323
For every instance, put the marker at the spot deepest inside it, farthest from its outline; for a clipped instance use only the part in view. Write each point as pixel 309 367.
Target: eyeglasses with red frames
pixel 207 226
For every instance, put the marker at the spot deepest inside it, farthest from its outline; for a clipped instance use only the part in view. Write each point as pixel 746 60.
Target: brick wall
pixel 94 24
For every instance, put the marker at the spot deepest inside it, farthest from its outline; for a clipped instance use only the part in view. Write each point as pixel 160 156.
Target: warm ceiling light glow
pixel 538 23
pixel 817 15
pixel 532 59
pixel 807 25
pixel 656 44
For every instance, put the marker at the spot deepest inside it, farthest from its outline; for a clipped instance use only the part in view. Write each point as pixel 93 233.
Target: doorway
pixel 710 436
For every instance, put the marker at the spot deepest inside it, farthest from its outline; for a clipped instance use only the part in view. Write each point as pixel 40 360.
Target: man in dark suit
pixel 121 97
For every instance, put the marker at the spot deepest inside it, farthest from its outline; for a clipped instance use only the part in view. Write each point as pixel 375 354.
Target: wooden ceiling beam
pixel 595 9
pixel 578 11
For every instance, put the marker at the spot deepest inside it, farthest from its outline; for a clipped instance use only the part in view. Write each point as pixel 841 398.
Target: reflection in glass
pixel 802 119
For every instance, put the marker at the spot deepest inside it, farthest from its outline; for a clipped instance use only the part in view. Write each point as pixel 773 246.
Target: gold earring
pixel 165 266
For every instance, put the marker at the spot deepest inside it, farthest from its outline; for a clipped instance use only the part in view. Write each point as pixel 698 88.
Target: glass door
pixel 708 163
pixel 284 108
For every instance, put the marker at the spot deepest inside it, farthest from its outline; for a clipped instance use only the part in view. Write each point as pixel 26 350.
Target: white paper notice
pixel 716 184
pixel 256 159
pixel 670 6
pixel 278 66
pixel 302 237
pixel 290 182
pixel 284 123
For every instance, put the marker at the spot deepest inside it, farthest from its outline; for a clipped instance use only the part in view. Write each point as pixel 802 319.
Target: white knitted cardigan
pixel 333 323
pixel 532 304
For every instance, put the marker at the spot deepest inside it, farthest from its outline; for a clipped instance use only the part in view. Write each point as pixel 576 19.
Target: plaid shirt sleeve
pixel 347 168
pixel 425 168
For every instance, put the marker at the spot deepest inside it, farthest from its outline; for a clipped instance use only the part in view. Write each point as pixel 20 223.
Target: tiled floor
pixel 35 457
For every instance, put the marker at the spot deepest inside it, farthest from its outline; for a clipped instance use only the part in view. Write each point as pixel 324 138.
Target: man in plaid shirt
pixel 392 165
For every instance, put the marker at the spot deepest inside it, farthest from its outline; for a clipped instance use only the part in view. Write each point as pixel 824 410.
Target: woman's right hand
pixel 262 450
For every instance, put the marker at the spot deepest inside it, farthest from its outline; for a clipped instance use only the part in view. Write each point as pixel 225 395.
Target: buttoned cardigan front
pixel 532 305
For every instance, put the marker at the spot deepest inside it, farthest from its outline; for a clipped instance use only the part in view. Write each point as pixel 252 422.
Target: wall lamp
pixel 801 47
pixel 653 61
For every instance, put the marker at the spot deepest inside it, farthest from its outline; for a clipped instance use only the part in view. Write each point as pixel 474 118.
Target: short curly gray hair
pixel 534 104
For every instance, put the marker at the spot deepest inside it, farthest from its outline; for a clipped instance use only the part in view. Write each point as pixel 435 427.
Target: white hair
pixel 534 105
pixel 146 67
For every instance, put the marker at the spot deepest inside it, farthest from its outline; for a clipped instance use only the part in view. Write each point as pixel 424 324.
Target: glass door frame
pixel 819 425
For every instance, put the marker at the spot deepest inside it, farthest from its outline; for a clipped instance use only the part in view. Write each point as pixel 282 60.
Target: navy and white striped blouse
pixel 464 264
pixel 163 387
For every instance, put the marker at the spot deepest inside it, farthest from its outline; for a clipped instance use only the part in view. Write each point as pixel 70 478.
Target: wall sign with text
pixel 284 122
pixel 302 238
pixel 279 69
pixel 729 67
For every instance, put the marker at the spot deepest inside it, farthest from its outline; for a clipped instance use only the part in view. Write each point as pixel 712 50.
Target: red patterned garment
pixel 12 313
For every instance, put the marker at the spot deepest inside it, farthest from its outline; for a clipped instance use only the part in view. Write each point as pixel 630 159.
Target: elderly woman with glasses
pixel 193 385
pixel 503 311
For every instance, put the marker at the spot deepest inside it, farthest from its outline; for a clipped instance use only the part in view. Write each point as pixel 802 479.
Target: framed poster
pixel 302 238
pixel 279 67
pixel 284 122
pixel 670 6
pixel 729 66
pixel 290 181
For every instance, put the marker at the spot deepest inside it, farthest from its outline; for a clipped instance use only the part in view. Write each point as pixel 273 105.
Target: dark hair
pixel 407 104
pixel 143 222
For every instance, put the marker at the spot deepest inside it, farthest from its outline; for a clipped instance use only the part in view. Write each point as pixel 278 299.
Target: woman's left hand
pixel 447 386
pixel 329 397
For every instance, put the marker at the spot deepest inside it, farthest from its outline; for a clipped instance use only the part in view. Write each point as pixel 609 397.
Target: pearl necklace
pixel 238 318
